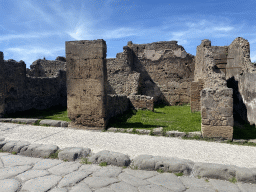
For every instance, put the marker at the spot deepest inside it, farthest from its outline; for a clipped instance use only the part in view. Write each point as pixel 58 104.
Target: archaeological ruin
pixel 219 81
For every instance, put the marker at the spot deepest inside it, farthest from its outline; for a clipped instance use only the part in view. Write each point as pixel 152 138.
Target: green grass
pixel 169 117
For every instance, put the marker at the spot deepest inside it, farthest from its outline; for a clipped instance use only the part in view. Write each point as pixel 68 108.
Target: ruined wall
pixel 46 68
pixel 118 71
pixel 20 93
pixel 142 102
pixel 165 69
pixel 216 101
pixel 87 82
pixel 117 104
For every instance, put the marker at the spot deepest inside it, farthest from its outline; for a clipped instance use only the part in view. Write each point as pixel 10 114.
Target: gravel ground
pixel 133 145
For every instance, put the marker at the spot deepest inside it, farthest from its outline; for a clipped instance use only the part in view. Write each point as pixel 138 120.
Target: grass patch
pixel 169 117
pixel 53 113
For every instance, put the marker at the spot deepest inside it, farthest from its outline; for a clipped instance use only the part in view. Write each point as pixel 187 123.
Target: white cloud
pixel 32 53
pixel 27 36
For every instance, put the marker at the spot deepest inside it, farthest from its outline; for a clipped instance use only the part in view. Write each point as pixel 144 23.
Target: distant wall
pixel 46 68
pixel 166 71
pixel 20 93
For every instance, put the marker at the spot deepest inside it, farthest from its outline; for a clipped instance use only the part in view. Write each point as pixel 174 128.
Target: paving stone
pixel 2 143
pixel 46 163
pixel 24 120
pixel 73 153
pixel 122 186
pixel 54 123
pixel 175 134
pixel 141 173
pixel 149 162
pixel 13 171
pixel 168 180
pixel 224 186
pixel 58 190
pixel 152 188
pixel 89 167
pixel 14 160
pixel 246 175
pixel 9 185
pixel 214 171
pixel 191 182
pixel 31 174
pixel 104 190
pixel 73 178
pixel 108 172
pixel 64 168
pixel 41 184
pixel 38 150
pixel 246 187
pixel 111 158
pixel 135 181
pixel 194 189
pixel 98 182
pixel 15 146
pixel 81 187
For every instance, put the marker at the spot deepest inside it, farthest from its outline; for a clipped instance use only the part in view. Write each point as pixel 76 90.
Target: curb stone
pixel 141 162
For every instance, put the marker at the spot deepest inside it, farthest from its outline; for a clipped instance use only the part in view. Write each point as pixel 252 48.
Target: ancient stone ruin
pixel 219 81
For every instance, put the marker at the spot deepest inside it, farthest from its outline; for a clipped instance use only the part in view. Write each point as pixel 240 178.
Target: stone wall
pixel 46 68
pixel 142 102
pixel 20 93
pixel 217 113
pixel 196 88
pixel 163 70
pixel 216 101
pixel 247 89
pixel 87 83
pixel 117 104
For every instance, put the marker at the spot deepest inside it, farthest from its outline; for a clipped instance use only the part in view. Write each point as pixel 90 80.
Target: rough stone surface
pixel 86 82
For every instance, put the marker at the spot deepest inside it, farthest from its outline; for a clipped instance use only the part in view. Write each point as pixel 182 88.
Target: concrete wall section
pixel 87 82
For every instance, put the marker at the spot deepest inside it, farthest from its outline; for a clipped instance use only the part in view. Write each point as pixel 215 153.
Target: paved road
pixel 29 171
pixel 19 173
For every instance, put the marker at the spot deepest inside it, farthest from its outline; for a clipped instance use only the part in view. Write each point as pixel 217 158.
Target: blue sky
pixel 34 29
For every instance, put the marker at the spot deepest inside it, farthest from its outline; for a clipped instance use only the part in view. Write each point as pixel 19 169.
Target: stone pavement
pixel 29 171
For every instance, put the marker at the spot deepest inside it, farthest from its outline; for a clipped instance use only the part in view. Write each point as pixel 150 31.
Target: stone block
pixel 204 113
pixel 210 131
pixel 206 121
pixel 226 111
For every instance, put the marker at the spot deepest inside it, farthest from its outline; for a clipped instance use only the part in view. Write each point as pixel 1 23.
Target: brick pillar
pixel 86 83
pixel 217 113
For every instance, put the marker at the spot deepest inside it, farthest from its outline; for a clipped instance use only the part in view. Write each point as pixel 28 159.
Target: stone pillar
pixel 217 113
pixel 86 83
